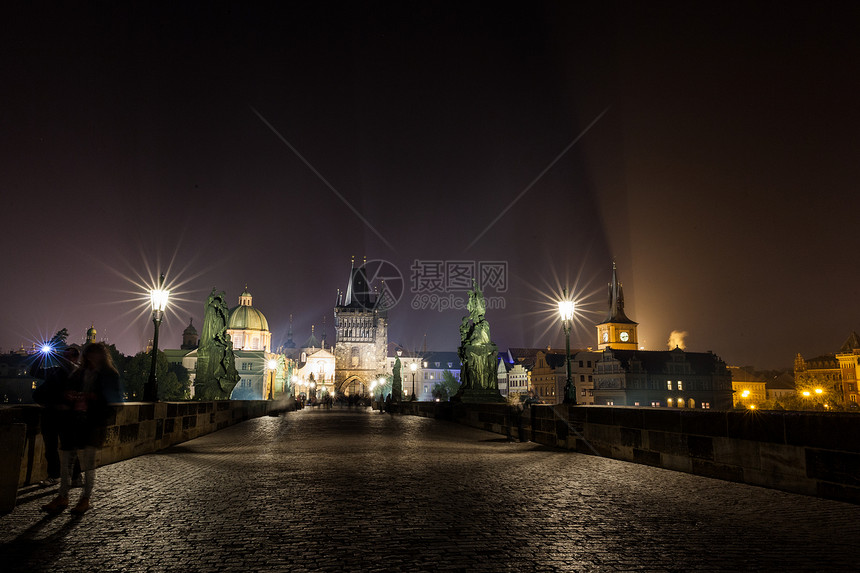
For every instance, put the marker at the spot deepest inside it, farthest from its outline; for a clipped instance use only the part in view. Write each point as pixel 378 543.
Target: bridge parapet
pixel 135 428
pixel 813 453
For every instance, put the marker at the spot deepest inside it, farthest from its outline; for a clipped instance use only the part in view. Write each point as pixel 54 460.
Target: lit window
pixel 583 392
pixel 669 400
pixel 853 396
pixel 635 403
pixel 610 402
pixel 668 384
pixel 680 385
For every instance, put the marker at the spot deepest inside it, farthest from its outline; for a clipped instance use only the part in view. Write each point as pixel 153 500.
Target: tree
pixel 173 379
pixel 446 388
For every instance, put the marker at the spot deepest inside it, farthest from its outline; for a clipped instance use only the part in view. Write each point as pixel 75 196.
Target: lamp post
pixel 272 364
pixel 295 381
pixel 158 299
pixel 413 367
pixel 565 309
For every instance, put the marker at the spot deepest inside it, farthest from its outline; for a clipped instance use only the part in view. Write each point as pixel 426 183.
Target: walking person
pixel 49 395
pixel 86 409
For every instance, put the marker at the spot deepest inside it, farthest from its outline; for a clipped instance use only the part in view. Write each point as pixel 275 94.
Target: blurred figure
pixel 86 410
pixel 49 394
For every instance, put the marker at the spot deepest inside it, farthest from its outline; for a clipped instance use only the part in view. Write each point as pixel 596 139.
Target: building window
pixel 680 385
pixel 669 400
pixel 582 377
pixel 589 377
pixel 610 402
pixel 668 384
pixel 655 404
pixel 635 403
pixel 853 397
pixel 580 363
pixel 589 364
pixel 583 392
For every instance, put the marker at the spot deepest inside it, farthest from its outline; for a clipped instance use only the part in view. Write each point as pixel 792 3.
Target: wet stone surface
pixel 358 490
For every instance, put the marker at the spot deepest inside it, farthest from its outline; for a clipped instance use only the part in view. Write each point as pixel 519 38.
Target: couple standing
pixel 76 400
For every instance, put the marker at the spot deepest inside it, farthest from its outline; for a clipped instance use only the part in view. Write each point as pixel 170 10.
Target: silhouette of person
pixel 83 421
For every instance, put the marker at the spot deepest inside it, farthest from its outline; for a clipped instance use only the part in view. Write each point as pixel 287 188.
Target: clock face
pixel 605 337
pixel 625 337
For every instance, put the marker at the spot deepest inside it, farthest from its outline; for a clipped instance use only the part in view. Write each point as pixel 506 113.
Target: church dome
pixel 190 330
pixel 245 316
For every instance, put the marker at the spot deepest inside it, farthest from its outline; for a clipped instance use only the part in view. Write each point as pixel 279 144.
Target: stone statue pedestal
pixel 479 396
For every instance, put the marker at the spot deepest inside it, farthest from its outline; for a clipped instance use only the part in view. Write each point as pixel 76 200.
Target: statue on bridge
pixel 397 382
pixel 216 364
pixel 478 354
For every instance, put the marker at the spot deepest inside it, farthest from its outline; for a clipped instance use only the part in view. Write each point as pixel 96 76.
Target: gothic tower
pixel 361 334
pixel 617 331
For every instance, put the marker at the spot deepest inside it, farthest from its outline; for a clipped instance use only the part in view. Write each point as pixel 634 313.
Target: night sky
pixel 722 178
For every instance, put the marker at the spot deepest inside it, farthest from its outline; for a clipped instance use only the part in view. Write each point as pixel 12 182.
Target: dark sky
pixel 723 177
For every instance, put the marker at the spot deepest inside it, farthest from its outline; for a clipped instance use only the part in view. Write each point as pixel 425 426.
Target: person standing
pixel 83 422
pixel 49 394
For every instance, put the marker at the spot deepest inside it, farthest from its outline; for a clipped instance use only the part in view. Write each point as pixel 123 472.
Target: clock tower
pixel 617 331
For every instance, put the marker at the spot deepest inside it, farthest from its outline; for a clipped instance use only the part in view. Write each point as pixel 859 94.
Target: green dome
pixel 246 317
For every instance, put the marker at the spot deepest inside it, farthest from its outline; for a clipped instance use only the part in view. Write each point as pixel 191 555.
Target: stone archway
pixel 353 385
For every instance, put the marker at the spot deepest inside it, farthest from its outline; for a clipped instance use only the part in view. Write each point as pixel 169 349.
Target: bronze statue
pixel 216 364
pixel 478 354
pixel 397 383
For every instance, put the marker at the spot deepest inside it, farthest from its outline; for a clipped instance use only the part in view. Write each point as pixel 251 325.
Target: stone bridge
pixel 358 490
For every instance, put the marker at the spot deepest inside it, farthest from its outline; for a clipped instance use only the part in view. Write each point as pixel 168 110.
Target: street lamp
pixel 272 364
pixel 295 380
pixel 158 298
pixel 413 367
pixel 565 309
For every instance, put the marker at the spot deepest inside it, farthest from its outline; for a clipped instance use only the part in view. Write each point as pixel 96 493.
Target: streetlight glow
pixel 806 393
pixel 158 298
pixel 818 390
pixel 565 309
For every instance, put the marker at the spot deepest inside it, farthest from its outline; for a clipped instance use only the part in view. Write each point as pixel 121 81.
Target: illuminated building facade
pixel 361 335
pixel 617 331
pixel 749 389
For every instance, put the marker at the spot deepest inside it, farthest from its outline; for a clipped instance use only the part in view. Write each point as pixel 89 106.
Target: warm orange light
pixel 818 390
pixel 752 406
pixel 806 393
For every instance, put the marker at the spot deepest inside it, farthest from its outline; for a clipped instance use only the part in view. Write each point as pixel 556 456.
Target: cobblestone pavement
pixel 356 490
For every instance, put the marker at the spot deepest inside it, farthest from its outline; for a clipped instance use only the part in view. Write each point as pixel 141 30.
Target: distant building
pixel 662 378
pixel 624 375
pixel 749 388
pixel 849 364
pixel 617 331
pixel 582 369
pixel 190 338
pixel 16 384
pixel 780 387
pixel 361 335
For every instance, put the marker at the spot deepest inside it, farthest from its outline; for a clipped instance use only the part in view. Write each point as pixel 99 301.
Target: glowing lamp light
pixel 313 384
pixel 46 349
pixel 745 393
pixel 565 309
pixel 413 367
pixel 818 390
pixel 272 364
pixel 158 297
pixel 295 379
pixel 806 393
pixel 752 406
